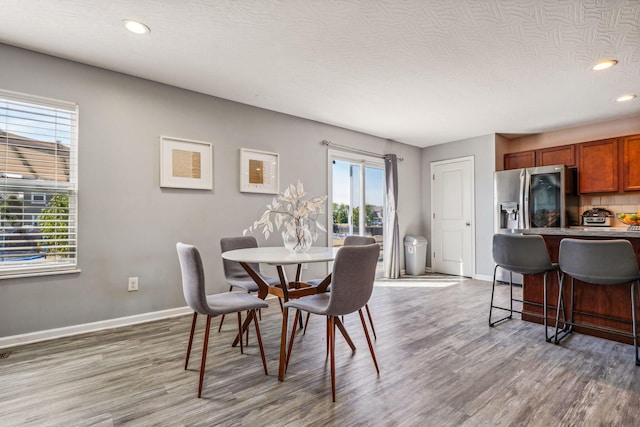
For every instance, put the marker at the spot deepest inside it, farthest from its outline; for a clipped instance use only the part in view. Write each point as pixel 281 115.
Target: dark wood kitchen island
pixel 606 307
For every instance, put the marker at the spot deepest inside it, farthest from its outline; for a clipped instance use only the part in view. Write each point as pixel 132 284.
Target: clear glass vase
pixel 297 237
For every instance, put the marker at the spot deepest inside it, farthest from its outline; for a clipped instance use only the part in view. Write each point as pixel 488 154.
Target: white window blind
pixel 38 185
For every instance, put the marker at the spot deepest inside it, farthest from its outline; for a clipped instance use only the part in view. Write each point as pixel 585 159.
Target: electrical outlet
pixel 133 284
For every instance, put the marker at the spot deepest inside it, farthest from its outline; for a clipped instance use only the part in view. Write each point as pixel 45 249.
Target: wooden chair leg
pixel 221 322
pixel 345 334
pixel 293 336
pixel 366 333
pixel 255 322
pixel 327 327
pixel 240 332
pixel 306 322
pixel 332 352
pixel 283 344
pixel 247 332
pixel 193 328
pixel 373 329
pixel 203 362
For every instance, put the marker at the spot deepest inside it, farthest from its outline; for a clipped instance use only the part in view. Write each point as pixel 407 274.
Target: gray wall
pixel 128 225
pixel 482 148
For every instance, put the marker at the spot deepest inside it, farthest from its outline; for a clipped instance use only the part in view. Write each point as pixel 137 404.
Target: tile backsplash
pixel 616 203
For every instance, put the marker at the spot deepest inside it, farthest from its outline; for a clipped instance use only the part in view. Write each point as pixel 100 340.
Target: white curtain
pixel 391 233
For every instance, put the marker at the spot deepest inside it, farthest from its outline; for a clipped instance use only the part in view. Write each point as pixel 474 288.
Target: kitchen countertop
pixel 585 231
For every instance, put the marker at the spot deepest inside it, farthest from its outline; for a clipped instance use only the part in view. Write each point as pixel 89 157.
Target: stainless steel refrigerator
pixel 540 197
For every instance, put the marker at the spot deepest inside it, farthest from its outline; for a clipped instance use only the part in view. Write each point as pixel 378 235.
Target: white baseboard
pixel 483 277
pixel 403 272
pixel 66 331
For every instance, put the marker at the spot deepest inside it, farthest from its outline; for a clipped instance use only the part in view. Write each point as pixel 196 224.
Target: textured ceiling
pixel 421 72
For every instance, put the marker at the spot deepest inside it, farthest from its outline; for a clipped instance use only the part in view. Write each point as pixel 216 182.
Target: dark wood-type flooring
pixel 440 365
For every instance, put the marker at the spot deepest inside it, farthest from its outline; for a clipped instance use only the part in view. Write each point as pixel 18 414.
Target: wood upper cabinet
pixel 630 163
pixel 605 166
pixel 598 166
pixel 562 155
pixel 523 159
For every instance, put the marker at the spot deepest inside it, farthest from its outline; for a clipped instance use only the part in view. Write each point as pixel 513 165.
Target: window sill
pixel 38 273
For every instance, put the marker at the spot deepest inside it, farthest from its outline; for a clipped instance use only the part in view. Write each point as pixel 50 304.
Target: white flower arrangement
pixel 293 212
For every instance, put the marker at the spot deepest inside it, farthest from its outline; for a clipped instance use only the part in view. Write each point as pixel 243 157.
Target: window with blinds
pixel 38 185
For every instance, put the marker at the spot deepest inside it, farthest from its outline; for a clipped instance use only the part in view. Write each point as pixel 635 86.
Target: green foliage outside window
pixel 341 214
pixel 370 219
pixel 54 225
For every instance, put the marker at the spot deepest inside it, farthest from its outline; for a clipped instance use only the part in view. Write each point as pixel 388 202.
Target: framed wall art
pixel 259 171
pixel 186 164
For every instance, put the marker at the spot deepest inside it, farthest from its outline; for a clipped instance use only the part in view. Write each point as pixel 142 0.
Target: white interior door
pixel 452 225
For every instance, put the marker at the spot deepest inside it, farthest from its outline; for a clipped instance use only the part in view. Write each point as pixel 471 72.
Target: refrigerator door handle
pixel 525 184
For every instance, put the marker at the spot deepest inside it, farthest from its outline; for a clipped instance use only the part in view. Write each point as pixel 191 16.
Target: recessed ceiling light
pixel 603 65
pixel 624 98
pixel 136 26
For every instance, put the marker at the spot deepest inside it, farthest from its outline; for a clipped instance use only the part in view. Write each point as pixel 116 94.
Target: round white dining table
pixel 280 257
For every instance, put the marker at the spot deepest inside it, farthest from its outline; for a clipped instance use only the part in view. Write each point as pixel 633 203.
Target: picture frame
pixel 186 163
pixel 259 171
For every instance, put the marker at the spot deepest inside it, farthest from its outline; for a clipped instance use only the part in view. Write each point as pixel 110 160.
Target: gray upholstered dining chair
pixel 193 287
pixel 602 262
pixel 524 254
pixel 234 273
pixel 349 241
pixel 359 240
pixel 354 271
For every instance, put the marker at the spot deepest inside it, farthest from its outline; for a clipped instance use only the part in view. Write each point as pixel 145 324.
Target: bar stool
pixel 524 254
pixel 602 262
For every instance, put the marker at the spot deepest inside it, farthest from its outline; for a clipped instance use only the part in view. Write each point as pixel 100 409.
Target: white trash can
pixel 415 255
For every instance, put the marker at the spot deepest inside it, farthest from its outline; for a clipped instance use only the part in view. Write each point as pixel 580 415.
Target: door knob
pixel 467 223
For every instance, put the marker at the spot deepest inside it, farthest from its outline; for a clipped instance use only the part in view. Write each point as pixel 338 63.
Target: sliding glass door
pixel 357 197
